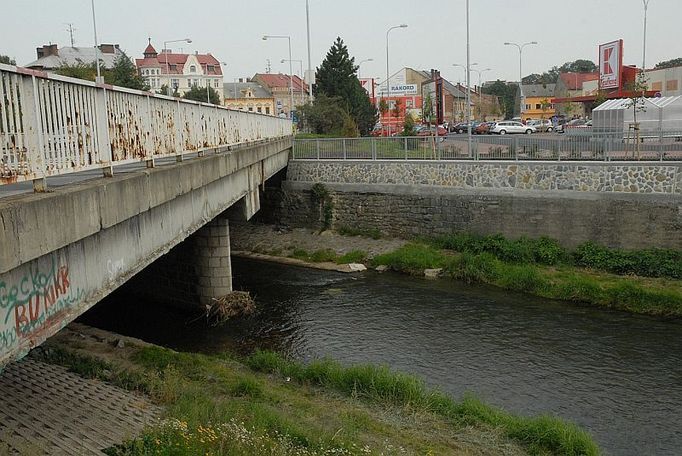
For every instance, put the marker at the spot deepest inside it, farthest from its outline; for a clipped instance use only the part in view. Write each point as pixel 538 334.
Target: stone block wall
pixel 650 177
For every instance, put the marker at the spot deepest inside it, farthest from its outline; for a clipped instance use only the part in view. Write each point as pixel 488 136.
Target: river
pixel 617 375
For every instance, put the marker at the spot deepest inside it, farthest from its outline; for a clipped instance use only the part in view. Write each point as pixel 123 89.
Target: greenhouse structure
pixel 657 117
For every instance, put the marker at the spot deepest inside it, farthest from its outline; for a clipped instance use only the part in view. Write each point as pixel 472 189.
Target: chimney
pixel 241 80
pixel 47 50
pixel 107 48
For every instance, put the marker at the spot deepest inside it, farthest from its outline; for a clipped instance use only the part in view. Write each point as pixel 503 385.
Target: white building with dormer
pixel 180 71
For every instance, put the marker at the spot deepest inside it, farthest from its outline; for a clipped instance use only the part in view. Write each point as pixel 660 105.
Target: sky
pixel 435 36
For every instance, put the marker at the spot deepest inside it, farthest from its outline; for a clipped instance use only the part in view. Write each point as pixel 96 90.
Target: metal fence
pixel 52 125
pixel 579 146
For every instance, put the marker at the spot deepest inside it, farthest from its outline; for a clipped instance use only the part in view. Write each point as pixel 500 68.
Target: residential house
pixel 278 85
pixel 50 57
pixel 249 96
pixel 538 101
pixel 180 72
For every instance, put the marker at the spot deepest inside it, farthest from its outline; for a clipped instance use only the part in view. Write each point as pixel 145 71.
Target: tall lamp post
pixel 291 71
pixel 360 64
pixel 466 78
pixel 94 28
pixel 300 62
pixel 310 70
pixel 480 92
pixel 520 48
pixel 646 8
pixel 165 50
pixel 388 81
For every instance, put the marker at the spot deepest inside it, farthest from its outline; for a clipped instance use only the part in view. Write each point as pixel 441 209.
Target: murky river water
pixel 617 375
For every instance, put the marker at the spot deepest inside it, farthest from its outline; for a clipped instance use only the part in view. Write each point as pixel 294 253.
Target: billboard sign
pixel 368 85
pixel 402 90
pixel 610 65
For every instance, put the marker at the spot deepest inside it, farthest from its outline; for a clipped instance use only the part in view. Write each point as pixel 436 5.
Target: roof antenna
pixel 268 67
pixel 70 29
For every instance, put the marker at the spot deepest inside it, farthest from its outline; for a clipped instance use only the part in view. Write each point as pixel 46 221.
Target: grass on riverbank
pixel 268 405
pixel 633 294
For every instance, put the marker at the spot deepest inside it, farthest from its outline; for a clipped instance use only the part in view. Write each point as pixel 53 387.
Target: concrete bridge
pixel 182 166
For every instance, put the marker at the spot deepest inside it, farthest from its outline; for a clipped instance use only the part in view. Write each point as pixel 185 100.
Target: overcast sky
pixel 232 31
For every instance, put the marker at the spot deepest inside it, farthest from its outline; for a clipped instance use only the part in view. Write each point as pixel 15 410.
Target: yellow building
pixel 538 101
pixel 249 96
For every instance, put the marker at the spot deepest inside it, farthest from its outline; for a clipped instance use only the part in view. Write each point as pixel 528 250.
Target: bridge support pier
pixel 212 257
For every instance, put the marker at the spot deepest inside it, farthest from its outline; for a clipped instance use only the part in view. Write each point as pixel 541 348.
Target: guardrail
pixel 542 147
pixel 52 125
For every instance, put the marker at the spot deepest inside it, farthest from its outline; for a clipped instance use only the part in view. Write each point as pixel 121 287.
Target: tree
pixel 325 115
pixel 197 93
pixel 163 90
pixel 506 92
pixel 337 78
pixel 551 76
pixel 408 125
pixel 383 107
pixel 397 111
pixel 7 60
pixel 79 70
pixel 427 108
pixel 544 106
pixel 124 74
pixel 669 63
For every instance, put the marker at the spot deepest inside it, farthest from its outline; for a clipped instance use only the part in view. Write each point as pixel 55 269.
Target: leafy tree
pixel 551 76
pixel 408 125
pixel 427 108
pixel 383 107
pixel 506 92
pixel 125 74
pixel 397 111
pixel 7 60
pixel 544 106
pixel 337 78
pixel 669 63
pixel 163 90
pixel 197 93
pixel 325 115
pixel 86 71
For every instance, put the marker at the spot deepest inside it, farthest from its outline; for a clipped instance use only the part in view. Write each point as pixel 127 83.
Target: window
pixel 267 110
pixel 210 68
pixel 527 107
pixel 250 108
pixel 189 83
pixel 671 85
pixel 538 106
pixel 259 109
pixel 192 69
pixel 216 83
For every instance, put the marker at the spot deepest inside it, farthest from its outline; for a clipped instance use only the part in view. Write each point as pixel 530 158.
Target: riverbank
pixel 545 276
pixel 264 404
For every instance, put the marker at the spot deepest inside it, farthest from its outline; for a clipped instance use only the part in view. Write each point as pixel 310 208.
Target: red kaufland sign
pixel 610 65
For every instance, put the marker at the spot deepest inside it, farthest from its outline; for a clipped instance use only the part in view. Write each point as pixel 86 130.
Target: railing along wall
pixel 664 146
pixel 52 125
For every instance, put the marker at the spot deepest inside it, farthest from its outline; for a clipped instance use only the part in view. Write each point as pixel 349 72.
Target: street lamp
pixel 464 67
pixel 480 91
pixel 300 62
pixel 94 27
pixel 361 62
pixel 310 70
pixel 646 8
pixel 165 50
pixel 388 81
pixel 520 48
pixel 291 71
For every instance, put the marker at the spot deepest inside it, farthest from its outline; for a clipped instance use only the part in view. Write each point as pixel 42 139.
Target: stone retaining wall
pixel 650 177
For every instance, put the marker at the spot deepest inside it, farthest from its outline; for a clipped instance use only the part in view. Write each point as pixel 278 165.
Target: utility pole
pixel 70 29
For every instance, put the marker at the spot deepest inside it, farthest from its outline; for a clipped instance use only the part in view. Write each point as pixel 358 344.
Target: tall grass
pixel 379 384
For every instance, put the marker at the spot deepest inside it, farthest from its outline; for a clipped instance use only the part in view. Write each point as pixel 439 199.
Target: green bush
pixel 648 263
pixel 412 258
pixel 474 268
pixel 524 278
pixel 323 256
pixel 355 256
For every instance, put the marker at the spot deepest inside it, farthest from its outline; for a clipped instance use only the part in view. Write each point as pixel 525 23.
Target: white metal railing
pixel 51 124
pixel 667 146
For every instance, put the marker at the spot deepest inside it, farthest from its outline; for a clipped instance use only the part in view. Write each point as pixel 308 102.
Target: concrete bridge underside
pixel 64 251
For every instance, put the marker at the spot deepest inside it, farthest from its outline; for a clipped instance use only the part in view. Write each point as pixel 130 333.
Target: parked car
pixel 484 128
pixel 542 125
pixel 463 127
pixel 575 123
pixel 511 127
pixel 430 131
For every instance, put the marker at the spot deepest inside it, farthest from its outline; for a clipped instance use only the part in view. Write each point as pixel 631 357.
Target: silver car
pixel 511 127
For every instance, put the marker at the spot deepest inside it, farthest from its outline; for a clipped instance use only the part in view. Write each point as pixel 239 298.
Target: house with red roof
pixel 180 71
pixel 278 85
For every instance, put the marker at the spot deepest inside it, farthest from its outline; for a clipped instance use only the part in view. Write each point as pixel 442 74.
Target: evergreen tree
pixel 197 93
pixel 7 60
pixel 337 78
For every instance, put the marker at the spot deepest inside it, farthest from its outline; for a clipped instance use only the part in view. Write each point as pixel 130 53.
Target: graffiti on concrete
pixel 35 301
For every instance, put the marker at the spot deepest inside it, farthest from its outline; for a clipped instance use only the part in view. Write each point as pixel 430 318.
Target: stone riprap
pixel 660 178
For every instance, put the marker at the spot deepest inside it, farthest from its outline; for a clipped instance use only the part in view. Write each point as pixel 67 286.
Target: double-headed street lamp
pixel 165 50
pixel 291 71
pixel 520 48
pixel 388 81
pixel 480 91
